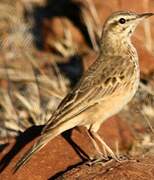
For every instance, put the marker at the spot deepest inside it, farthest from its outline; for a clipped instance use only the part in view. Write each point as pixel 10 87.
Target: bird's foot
pixel 103 160
pixel 97 160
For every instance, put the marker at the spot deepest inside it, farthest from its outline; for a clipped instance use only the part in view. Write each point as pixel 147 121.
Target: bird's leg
pixel 104 145
pixel 94 143
pixel 100 156
pixel 105 153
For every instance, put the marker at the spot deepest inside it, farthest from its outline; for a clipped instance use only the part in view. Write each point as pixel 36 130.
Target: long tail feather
pixel 48 135
pixel 36 147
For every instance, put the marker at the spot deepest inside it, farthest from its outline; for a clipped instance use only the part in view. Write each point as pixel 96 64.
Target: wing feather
pixel 97 84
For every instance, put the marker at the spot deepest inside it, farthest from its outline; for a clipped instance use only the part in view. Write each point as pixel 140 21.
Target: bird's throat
pixel 115 45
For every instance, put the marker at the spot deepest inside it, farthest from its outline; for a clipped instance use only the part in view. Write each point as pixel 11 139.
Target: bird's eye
pixel 122 21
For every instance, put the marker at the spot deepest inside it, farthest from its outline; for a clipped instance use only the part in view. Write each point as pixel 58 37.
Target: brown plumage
pixel 104 89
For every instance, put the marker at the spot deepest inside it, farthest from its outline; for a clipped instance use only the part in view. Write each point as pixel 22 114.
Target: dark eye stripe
pixel 115 22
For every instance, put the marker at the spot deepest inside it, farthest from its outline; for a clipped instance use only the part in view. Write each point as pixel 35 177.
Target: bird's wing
pixel 100 81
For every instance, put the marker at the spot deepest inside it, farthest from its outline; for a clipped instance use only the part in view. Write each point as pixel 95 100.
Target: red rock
pixel 58 154
pixel 143 168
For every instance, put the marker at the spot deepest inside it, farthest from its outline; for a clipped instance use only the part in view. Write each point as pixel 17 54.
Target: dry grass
pixel 28 93
pixel 147 28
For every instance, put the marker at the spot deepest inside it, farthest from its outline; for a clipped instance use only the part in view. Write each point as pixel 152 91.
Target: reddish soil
pixel 58 155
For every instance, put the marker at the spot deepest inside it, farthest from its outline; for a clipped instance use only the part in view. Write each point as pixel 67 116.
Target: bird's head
pixel 124 23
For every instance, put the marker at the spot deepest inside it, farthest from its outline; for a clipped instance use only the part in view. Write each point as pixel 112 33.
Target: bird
pixel 103 90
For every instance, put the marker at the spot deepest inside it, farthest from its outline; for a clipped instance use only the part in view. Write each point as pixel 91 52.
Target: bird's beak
pixel 144 15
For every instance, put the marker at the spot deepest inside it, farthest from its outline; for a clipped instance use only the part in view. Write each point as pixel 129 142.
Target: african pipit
pixel 108 85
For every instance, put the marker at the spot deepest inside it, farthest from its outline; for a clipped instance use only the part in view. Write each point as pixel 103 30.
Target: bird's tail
pixel 48 134
pixel 42 141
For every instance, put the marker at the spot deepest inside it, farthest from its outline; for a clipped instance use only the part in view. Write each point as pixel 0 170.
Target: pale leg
pixel 95 143
pixel 104 145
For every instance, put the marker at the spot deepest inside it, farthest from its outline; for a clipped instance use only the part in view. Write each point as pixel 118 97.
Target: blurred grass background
pixel 45 47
